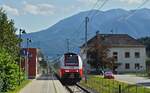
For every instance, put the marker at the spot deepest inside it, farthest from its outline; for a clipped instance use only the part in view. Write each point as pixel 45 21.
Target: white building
pixel 127 51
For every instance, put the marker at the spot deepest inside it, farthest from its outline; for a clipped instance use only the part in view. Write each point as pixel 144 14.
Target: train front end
pixel 71 70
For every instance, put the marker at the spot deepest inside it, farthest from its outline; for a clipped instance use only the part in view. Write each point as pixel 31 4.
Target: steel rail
pixel 80 88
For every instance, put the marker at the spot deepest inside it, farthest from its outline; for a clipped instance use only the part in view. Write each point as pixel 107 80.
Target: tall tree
pixel 146 42
pixel 9 51
pixel 99 55
pixel 8 38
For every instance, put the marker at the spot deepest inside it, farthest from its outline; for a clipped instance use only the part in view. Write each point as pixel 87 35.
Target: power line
pixel 105 1
pixel 94 7
pixel 136 10
pixel 82 22
pixel 78 29
pixel 126 17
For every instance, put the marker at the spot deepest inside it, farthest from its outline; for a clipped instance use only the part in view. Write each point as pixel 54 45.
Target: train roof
pixel 70 53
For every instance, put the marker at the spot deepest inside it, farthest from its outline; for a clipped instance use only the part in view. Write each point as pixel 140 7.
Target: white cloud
pixel 11 10
pixel 70 8
pixel 87 2
pixel 39 9
pixel 132 1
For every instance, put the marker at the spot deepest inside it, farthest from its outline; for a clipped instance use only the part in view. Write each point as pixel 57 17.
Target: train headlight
pixel 66 70
pixel 77 70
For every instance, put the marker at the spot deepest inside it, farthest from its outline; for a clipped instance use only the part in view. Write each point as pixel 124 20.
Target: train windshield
pixel 71 60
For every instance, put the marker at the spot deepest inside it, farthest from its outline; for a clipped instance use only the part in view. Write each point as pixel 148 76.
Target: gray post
pixel 119 88
pixel 27 58
pixel 85 63
pixel 136 88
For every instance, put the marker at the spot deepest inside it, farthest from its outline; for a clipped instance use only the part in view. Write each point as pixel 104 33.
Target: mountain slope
pixel 53 40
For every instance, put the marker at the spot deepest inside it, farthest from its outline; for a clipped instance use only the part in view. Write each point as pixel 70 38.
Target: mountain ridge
pixel 53 39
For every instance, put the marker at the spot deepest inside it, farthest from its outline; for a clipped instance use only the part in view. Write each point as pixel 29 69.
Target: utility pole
pixel 21 31
pixel 27 58
pixel 68 45
pixel 47 63
pixel 97 46
pixel 112 31
pixel 86 30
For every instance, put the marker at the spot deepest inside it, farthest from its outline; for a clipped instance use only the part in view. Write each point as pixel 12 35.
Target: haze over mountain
pixel 117 21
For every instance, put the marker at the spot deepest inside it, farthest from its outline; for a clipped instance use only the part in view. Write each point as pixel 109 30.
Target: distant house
pixel 127 51
pixel 31 65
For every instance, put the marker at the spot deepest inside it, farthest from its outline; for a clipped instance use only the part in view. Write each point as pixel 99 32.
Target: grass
pixel 102 85
pixel 141 74
pixel 18 88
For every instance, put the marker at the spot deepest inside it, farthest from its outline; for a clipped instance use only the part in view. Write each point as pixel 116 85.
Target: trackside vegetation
pixel 18 88
pixel 9 71
pixel 101 85
pixel 9 55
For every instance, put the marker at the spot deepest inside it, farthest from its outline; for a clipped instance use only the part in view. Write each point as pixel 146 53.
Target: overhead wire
pixel 82 22
pixel 78 29
pixel 102 5
pixel 93 7
pixel 90 14
pixel 133 13
pixel 128 16
pixel 105 1
pixel 136 9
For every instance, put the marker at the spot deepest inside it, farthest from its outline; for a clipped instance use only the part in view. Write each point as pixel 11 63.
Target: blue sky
pixel 36 15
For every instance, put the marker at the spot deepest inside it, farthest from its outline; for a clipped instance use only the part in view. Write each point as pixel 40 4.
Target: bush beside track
pixel 18 88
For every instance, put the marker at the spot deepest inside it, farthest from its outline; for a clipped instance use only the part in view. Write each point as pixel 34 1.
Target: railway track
pixel 76 89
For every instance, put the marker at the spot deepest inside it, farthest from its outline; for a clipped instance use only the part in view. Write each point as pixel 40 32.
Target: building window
pixel 137 66
pixel 127 66
pixel 127 54
pixel 137 55
pixel 115 55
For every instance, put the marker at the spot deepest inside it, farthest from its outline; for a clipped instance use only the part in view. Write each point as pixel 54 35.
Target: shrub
pixel 9 71
pixel 148 66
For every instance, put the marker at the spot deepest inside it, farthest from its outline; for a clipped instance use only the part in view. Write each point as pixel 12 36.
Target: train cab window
pixel 71 60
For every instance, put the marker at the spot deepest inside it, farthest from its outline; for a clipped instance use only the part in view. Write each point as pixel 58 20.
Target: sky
pixel 37 15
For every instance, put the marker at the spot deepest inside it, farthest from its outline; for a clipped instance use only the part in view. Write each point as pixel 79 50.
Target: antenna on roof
pixel 112 31
pixel 116 30
pixel 97 32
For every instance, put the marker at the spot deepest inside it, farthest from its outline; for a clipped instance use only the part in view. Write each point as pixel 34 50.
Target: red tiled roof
pixel 114 40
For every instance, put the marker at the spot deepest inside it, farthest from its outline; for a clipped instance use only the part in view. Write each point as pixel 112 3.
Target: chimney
pixel 97 32
pixel 97 39
pixel 97 35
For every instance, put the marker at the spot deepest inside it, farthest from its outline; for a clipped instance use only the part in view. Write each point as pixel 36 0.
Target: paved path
pixel 44 84
pixel 132 79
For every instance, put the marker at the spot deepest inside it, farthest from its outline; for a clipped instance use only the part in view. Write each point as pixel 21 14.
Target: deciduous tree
pixel 8 38
pixel 9 51
pixel 99 55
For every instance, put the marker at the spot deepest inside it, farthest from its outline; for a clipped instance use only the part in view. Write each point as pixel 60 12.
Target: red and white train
pixel 69 68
